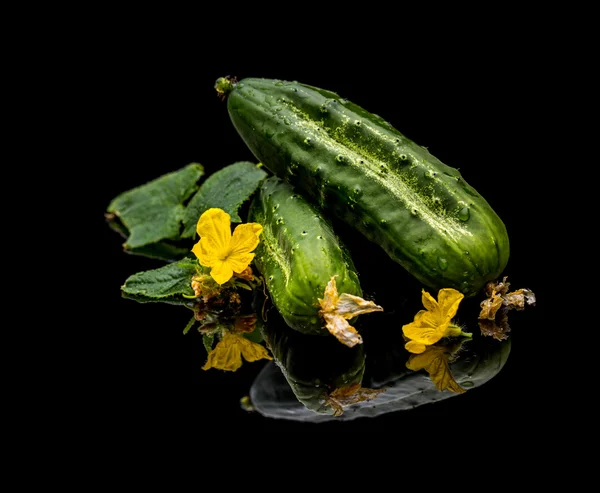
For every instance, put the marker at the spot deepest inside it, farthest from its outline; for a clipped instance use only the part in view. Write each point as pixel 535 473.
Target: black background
pixel 156 111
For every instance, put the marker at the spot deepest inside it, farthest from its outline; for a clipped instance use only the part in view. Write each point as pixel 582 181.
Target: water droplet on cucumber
pixel 464 214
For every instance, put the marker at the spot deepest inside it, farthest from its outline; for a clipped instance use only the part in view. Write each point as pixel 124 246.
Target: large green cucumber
pixel 298 254
pixel 421 211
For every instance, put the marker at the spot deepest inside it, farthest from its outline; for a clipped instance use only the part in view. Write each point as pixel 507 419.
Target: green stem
pixel 468 335
pixel 189 325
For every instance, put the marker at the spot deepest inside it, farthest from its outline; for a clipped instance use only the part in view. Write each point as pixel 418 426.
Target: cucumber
pixel 358 167
pixel 312 366
pixel 298 254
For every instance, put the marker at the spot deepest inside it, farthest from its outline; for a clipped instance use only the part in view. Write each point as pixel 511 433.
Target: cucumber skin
pixel 298 254
pixel 357 166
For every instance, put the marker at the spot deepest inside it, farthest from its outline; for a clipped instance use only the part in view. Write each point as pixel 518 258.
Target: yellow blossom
pixel 219 249
pixel 227 354
pixel 430 325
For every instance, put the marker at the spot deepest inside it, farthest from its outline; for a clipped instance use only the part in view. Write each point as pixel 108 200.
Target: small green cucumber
pixel 356 165
pixel 298 254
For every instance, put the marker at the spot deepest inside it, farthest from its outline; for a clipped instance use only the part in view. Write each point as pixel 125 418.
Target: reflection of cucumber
pixel 479 362
pixel 311 366
pixel 298 254
pixel 421 211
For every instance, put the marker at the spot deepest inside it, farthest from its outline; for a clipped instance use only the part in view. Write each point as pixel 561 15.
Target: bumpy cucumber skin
pixel 355 164
pixel 298 254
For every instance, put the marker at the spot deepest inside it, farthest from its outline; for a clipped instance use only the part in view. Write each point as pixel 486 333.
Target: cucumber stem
pixel 224 85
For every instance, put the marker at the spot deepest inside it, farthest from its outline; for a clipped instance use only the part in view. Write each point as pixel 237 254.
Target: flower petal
pixel 221 272
pixel 245 238
pixel 330 296
pixel 204 257
pixel 490 306
pixel 350 306
pixel 448 300
pixel 239 262
pixel 425 330
pixel 429 302
pixel 339 327
pixel 214 229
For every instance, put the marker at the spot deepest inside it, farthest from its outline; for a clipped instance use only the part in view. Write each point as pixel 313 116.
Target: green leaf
pixel 208 339
pixel 154 211
pixel 163 250
pixel 226 189
pixel 146 299
pixel 170 280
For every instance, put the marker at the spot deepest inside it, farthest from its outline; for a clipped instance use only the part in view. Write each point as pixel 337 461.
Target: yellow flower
pixel 227 354
pixel 220 250
pixel 430 325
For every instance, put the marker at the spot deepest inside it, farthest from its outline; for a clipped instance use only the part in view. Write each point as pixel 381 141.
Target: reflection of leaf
pixel 154 211
pixel 351 394
pixel 167 281
pixel 435 361
pixel 225 189
pixel 207 340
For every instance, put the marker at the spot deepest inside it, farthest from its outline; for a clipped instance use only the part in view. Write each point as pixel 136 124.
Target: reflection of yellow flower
pixel 430 325
pixel 435 361
pixel 220 250
pixel 227 354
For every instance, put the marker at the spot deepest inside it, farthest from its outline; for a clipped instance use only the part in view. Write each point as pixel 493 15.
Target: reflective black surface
pixel 308 369
pixel 167 115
